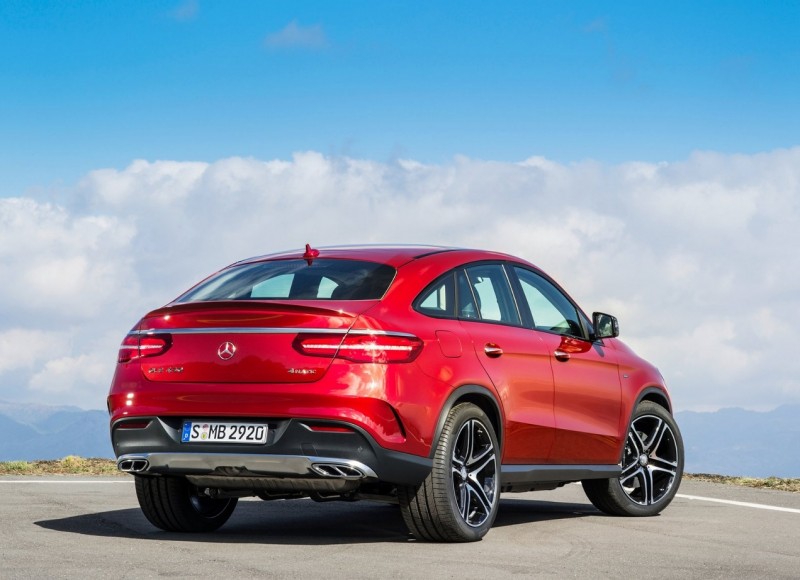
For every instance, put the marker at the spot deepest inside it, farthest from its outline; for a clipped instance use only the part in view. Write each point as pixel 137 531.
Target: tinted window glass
pixel 281 287
pixel 296 280
pixel 492 293
pixel 276 287
pixel 439 298
pixel 550 309
pixel 466 301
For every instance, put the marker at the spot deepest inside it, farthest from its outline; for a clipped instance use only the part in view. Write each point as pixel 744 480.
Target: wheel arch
pixel 479 396
pixel 655 395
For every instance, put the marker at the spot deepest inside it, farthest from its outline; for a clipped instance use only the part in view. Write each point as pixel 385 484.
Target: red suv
pixel 433 377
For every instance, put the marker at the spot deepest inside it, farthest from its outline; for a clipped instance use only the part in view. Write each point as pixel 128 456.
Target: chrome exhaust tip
pixel 337 470
pixel 133 465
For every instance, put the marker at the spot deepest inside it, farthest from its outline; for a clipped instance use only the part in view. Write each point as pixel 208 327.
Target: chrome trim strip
pixel 207 463
pixel 267 330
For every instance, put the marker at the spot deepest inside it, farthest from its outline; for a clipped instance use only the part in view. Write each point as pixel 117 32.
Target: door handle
pixel 492 350
pixel 561 355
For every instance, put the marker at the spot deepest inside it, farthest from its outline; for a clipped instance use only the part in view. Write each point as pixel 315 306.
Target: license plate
pixel 208 432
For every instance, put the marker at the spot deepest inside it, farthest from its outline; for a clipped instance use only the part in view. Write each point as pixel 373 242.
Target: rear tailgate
pixel 242 341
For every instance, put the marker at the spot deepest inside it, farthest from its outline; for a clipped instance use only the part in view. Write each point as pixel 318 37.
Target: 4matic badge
pixel 159 370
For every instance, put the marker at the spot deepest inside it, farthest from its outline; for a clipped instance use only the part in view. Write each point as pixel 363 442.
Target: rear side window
pixel 439 299
pixel 492 293
pixel 477 292
pixel 324 279
pixel 466 300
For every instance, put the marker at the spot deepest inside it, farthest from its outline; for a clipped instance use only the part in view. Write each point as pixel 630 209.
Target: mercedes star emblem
pixel 226 350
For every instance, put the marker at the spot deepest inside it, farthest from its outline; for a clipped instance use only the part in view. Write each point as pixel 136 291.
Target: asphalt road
pixel 60 527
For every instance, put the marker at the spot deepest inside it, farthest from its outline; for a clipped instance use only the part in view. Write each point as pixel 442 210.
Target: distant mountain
pixel 739 442
pixel 31 413
pixel 30 432
pixel 726 442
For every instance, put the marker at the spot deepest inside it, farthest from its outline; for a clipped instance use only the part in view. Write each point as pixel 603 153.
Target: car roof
pixel 394 255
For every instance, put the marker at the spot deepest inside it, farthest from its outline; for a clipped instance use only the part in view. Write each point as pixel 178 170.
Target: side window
pixel 492 293
pixel 550 309
pixel 466 301
pixel 438 299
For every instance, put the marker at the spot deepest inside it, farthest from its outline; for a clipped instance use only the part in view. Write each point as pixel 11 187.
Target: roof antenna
pixel 310 254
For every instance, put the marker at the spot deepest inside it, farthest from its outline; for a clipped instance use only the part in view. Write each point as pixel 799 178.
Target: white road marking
pixel 759 506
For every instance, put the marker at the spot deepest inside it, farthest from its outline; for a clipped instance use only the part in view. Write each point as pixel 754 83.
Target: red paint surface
pixel 551 411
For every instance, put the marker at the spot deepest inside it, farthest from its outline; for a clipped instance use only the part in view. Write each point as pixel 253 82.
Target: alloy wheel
pixel 473 466
pixel 650 460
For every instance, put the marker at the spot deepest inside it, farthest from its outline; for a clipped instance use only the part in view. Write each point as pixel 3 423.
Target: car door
pixel 516 360
pixel 587 390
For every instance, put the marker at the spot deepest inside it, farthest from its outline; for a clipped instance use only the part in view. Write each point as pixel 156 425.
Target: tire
pixel 652 467
pixel 458 501
pixel 173 504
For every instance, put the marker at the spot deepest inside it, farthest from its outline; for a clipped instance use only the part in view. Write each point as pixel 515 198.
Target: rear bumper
pixel 295 456
pixel 272 473
pixel 249 464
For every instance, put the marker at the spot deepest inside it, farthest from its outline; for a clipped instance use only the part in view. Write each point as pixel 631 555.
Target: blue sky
pixel 647 155
pixel 96 84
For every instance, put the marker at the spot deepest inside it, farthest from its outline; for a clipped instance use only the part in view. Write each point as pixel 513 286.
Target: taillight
pixel 365 348
pixel 137 346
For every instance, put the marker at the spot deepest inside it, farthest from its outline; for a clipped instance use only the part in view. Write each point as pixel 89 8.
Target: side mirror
pixel 605 325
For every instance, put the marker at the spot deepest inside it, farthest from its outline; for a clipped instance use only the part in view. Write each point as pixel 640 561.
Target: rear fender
pixel 479 396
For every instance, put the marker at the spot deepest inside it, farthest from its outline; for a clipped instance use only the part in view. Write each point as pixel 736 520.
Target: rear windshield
pixel 296 280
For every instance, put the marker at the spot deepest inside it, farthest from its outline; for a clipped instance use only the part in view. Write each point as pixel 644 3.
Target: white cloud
pixel 162 183
pixel 57 265
pixel 22 348
pixel 295 36
pixel 698 258
pixel 70 375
